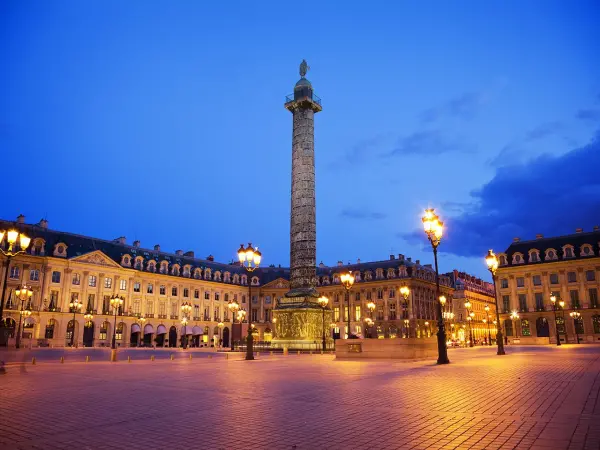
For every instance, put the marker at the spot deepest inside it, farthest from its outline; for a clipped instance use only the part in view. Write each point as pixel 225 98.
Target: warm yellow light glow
pixel 405 291
pixel 492 261
pixel 371 305
pixel 242 253
pixel 347 279
pixel 487 308
pixel 12 236
pixel 561 303
pixel 468 305
pixel 184 321
pixel 24 242
pixel 472 314
pixel 233 306
pixel 249 253
pixel 323 301
pixel 553 298
pixel 514 315
pixel 2 235
pixel 443 300
pixel 220 324
pixel 186 307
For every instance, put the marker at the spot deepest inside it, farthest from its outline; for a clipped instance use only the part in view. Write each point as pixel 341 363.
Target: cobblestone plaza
pixel 534 397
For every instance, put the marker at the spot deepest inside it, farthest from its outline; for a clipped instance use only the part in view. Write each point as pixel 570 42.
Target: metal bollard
pixel 190 356
pixel 33 361
pixel 321 352
pixel 209 356
pixel 271 353
pixel 87 359
pixel 62 359
pixel 311 352
pixel 129 359
pixel 172 358
pixel 285 351
pixel 257 354
pixel 226 355
pixel 152 358
pixel 298 352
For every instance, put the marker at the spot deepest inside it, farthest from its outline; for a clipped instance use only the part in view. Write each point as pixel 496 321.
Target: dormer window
pixel 254 281
pixel 126 261
pixel 227 277
pixel 379 274
pixel 568 251
pixel 517 258
pixel 586 250
pixel 502 260
pixel 391 273
pixel 151 266
pixel 217 276
pixel 138 263
pixel 357 276
pixel 175 270
pixel 550 254
pixel 244 280
pixel 534 256
pixel 236 278
pixel 336 279
pixel 186 271
pixel 164 267
pixel 60 250
pixel 207 274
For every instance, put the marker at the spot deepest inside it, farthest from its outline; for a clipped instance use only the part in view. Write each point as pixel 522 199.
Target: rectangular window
pixel 572 277
pixel 522 302
pixel 137 307
pixel 174 291
pixel 217 296
pixel 506 303
pixel 14 272
pixel 53 301
pixel 593 294
pixel 106 304
pixel 174 309
pixel 103 330
pixel 34 275
pixel 590 275
pixel 539 301
pixel 268 300
pixel 379 294
pixel 553 278
pixel 525 330
pixel 357 313
pixel 123 285
pixel 150 288
pixel 216 315
pixel 392 293
pixel 186 292
pixel 267 315
pixel 107 283
pixel 206 295
pixel 76 279
pixel 137 287
pixel 392 311
pixel 91 301
pixel 162 309
pixel 574 294
pixel 92 281
pixel 357 296
pixel 196 310
pixel 163 290
pixel 345 314
pixel 368 295
pixel 537 280
pixel 254 300
pixel 380 312
pixel 196 293
pixel 336 314
pixel 149 307
pixel 520 282
pixel 56 277
pixel 206 313
pixel 504 283
pixel 254 315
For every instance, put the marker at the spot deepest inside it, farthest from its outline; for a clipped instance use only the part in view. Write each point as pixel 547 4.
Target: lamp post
pixel 553 299
pixel 115 302
pixel 347 280
pixel 406 322
pixel 12 237
pixel 427 328
pixel 23 294
pixel 487 320
pixel 75 306
pixel 234 306
pixel 186 307
pixel 323 301
pixel 443 300
pixel 492 262
pixel 515 316
pixel 142 321
pixel 469 318
pixel 250 260
pixel 434 228
pixel 241 315
pixel 576 315
pixel 220 325
pixel 371 307
pixel 405 292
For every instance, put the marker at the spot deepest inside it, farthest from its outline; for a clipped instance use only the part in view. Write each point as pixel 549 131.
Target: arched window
pixel 587 250
pixel 579 325
pixel 508 327
pixel 568 251
pixel 502 260
pixel 596 322
pixel 152 266
pixel 534 256
pixel 50 326
pixel 550 254
pixel 164 267
pixel 207 274
pixel 70 329
pixel 138 263
pixel 518 258
pixel 175 270
pixel 104 330
pixel 560 325
pixel 126 260
pixel 525 330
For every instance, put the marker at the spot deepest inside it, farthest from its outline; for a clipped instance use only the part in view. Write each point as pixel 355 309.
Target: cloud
pixel 551 195
pixel 588 114
pixel 361 214
pixel 465 106
pixel 543 130
pixel 431 142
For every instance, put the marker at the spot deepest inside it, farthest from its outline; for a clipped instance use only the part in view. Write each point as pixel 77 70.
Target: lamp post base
pixel 113 355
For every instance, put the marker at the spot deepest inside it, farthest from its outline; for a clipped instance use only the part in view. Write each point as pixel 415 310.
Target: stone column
pixel 84 286
pixel 66 282
pixel 47 274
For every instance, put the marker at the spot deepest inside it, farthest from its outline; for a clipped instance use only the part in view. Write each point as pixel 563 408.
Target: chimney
pixel 409 259
pixel 400 257
pixel 358 261
pixel 517 239
pixel 189 253
pixel 321 264
pixel 157 248
pixel 596 228
pixel 418 262
pixel 340 263
pixel 392 257
pixel 136 244
pixel 539 236
pixel 210 258
pixel 44 224
pixel 21 218
pixel 179 252
pixel 578 230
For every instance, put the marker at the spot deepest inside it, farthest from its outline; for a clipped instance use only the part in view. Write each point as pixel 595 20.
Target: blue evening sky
pixel 164 121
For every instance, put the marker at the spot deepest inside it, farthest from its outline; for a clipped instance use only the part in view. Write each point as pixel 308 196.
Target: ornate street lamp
pixel 371 306
pixel 347 280
pixel 487 320
pixel 115 302
pixel 427 328
pixel 220 325
pixel 553 299
pixel 186 307
pixel 88 316
pixel 23 294
pixel 515 316
pixel 576 315
pixel 406 323
pixel 75 306
pixel 17 244
pixel 142 320
pixel 434 229
pixel 469 318
pixel 492 262
pixel 234 306
pixel 323 301
pixel 241 315
pixel 405 292
pixel 250 260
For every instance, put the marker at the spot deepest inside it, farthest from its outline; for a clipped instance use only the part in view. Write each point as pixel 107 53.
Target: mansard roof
pixel 577 240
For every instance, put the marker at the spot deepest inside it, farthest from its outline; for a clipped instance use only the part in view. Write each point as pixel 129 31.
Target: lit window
pixel 107 283
pixel 56 277
pixel 123 285
pixel 14 272
pixel 34 275
pixel 150 288
pixel 174 291
pixel 136 287
pixel 92 281
pixel 163 290
pixel 76 279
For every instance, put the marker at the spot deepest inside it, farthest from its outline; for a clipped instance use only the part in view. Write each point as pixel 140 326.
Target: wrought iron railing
pixel 315 98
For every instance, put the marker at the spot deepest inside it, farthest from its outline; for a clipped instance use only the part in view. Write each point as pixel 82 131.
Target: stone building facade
pixel 531 271
pixel 61 267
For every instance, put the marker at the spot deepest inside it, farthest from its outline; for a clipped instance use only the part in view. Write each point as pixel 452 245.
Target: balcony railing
pixel 315 98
